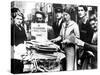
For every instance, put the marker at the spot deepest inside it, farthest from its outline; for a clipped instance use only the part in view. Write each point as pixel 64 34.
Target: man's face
pixel 18 20
pixel 39 18
pixel 58 15
pixel 81 12
pixel 93 25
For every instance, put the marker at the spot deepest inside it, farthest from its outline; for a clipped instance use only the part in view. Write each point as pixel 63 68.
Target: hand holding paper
pixel 69 39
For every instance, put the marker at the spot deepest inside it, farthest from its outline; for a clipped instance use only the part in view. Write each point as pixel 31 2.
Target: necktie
pixel 65 32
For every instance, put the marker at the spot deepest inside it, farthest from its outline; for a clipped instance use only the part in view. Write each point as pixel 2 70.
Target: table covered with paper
pixel 42 54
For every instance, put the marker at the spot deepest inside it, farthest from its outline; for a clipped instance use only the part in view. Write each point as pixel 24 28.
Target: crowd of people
pixel 77 40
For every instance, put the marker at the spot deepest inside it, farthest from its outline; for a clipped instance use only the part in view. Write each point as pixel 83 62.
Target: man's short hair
pixel 42 13
pixel 93 18
pixel 84 7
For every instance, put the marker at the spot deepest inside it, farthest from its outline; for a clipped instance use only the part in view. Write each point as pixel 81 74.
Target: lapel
pixel 61 24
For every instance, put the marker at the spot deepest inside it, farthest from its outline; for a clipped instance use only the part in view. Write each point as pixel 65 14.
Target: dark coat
pixel 57 28
pixel 17 36
pixel 86 32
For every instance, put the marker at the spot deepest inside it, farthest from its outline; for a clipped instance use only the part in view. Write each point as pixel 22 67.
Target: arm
pixel 60 36
pixel 90 47
pixel 73 34
pixel 50 32
pixel 56 39
pixel 76 31
pixel 86 46
pixel 12 35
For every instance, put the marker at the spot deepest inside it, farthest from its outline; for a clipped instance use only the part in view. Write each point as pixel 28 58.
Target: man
pixel 85 31
pixel 90 48
pixel 56 28
pixel 93 46
pixel 40 18
pixel 58 24
pixel 84 26
pixel 93 23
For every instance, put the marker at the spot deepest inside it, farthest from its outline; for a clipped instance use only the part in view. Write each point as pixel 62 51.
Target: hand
pixel 54 40
pixel 57 46
pixel 79 42
pixel 66 41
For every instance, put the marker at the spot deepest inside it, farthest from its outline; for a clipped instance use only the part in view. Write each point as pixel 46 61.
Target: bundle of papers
pixel 44 46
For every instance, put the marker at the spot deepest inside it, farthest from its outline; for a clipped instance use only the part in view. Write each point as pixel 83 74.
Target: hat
pixel 14 10
pixel 58 10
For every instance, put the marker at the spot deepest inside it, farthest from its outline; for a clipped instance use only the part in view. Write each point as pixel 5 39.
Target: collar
pixel 19 27
pixel 59 21
pixel 70 23
pixel 84 19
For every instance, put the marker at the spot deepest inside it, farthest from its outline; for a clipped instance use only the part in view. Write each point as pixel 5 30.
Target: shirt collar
pixel 84 19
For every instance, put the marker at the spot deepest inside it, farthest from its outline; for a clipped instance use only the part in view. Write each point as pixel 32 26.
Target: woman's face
pixel 81 12
pixel 66 17
pixel 18 20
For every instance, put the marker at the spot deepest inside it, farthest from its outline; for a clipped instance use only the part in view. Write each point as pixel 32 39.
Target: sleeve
pixel 12 35
pixel 79 42
pixel 53 26
pixel 90 47
pixel 25 28
pixel 61 31
pixel 50 33
pixel 76 30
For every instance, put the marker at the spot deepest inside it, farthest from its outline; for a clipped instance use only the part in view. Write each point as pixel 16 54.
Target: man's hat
pixel 58 9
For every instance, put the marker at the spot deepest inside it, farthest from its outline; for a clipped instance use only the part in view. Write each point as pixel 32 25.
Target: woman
pixel 18 36
pixel 69 29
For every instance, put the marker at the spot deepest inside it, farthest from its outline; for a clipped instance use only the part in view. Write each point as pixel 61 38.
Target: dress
pixel 65 33
pixel 18 36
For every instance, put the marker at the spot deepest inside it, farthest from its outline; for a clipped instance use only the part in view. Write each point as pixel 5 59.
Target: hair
pixel 93 18
pixel 67 12
pixel 84 7
pixel 16 12
pixel 43 15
